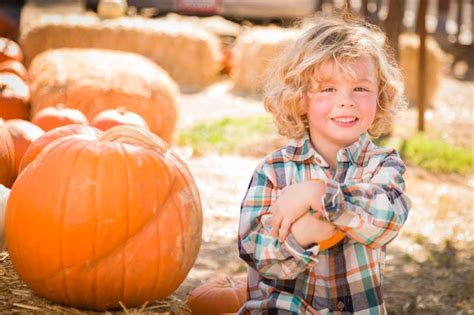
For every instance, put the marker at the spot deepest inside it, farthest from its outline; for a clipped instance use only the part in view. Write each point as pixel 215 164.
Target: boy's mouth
pixel 345 121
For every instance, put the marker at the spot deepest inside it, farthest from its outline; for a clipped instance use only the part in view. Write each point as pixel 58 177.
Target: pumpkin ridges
pixel 63 208
pixel 159 248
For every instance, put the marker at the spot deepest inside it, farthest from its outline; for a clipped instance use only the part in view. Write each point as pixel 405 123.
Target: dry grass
pixel 16 297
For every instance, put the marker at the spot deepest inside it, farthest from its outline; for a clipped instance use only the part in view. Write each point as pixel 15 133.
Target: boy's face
pixel 342 107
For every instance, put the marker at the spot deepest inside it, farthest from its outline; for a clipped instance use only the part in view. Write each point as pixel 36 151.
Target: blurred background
pixel 193 71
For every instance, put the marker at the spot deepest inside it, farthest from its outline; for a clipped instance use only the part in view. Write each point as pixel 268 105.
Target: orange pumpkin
pixel 7 156
pixel 23 134
pixel 10 50
pixel 333 240
pixel 93 222
pixel 15 67
pixel 115 117
pixel 56 116
pixel 36 147
pixel 14 97
pixel 218 296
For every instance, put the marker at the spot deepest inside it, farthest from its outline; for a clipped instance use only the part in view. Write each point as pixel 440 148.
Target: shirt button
pixel 340 305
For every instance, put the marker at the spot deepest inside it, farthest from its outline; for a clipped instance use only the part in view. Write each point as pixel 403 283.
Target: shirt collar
pixel 302 150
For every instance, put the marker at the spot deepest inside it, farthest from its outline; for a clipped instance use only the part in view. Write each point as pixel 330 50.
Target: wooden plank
pixel 363 8
pixel 393 23
pixel 422 65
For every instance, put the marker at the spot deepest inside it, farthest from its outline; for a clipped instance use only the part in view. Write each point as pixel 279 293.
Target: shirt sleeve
pixel 373 211
pixel 257 247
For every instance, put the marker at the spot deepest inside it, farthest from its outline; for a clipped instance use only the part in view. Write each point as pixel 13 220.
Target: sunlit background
pixel 205 60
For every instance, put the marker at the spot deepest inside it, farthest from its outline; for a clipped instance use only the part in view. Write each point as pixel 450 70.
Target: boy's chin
pixel 347 140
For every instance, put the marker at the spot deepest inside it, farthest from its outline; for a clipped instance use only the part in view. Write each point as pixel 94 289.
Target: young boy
pixel 331 89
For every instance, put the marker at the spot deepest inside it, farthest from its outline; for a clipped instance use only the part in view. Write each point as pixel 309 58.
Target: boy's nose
pixel 346 104
pixel 345 99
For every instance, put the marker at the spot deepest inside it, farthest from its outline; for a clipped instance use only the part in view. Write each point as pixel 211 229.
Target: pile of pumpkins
pixel 97 215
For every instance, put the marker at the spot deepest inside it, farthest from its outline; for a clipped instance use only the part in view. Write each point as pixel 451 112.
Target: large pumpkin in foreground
pixel 94 222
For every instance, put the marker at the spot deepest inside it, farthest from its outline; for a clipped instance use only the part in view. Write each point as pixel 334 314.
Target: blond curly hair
pixel 338 40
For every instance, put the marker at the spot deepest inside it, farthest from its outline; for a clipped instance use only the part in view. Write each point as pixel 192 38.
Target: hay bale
pixel 34 10
pixel 253 51
pixel 214 24
pixel 93 80
pixel 409 48
pixel 188 52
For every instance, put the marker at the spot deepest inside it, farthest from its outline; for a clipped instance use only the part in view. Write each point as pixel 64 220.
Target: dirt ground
pixel 429 267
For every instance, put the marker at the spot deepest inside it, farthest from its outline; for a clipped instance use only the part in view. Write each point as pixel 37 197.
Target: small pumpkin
pixel 56 116
pixel 7 156
pixel 14 97
pixel 10 50
pixel 15 67
pixel 333 240
pixel 36 147
pixel 116 117
pixel 23 133
pixel 118 217
pixel 218 296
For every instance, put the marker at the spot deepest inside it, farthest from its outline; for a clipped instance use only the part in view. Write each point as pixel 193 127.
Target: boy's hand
pixel 308 230
pixel 294 201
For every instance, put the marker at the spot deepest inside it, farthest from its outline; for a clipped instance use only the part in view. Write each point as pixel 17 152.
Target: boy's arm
pixel 371 212
pixel 308 230
pixel 257 246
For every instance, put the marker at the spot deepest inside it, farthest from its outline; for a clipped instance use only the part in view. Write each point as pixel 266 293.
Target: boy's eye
pixel 328 89
pixel 361 89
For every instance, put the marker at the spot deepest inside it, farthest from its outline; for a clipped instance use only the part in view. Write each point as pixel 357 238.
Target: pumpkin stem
pixel 121 110
pixel 60 106
pixel 2 87
pixel 136 136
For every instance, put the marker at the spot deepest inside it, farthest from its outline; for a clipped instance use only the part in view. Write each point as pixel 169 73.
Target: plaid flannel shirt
pixel 365 199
